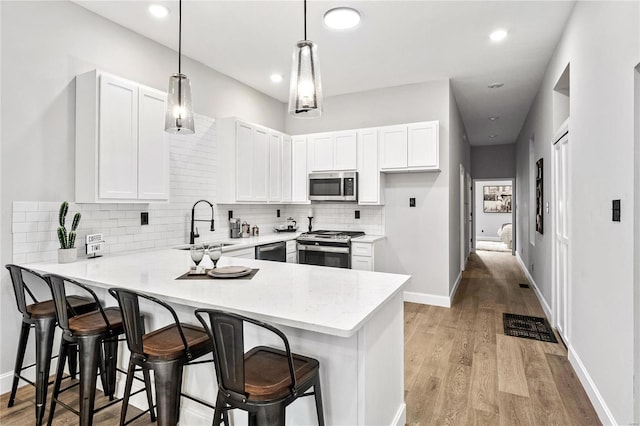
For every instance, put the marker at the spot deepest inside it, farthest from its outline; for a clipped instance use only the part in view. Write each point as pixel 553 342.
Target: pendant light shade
pixel 305 92
pixel 179 113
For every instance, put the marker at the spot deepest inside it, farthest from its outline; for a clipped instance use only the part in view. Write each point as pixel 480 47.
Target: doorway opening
pixel 494 215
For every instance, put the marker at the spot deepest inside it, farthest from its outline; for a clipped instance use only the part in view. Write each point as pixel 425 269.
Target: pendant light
pixel 305 93
pixel 179 113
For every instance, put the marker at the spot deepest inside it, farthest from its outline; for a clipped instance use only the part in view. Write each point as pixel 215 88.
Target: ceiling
pixel 397 42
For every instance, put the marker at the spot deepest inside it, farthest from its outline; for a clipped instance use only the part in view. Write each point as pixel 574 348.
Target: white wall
pixel 601 135
pixel 493 161
pixel 636 248
pixel 47 44
pixel 487 224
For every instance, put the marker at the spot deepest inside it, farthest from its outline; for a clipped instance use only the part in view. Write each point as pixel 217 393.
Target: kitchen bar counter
pixel 352 321
pixel 243 243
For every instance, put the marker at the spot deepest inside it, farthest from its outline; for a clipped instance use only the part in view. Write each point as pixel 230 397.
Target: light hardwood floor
pixel 460 369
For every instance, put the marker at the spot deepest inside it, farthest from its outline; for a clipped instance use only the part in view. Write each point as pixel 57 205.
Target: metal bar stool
pixel 263 381
pixel 91 332
pixel 166 351
pixel 41 316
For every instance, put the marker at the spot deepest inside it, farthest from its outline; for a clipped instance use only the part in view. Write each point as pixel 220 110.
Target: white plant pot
pixel 67 255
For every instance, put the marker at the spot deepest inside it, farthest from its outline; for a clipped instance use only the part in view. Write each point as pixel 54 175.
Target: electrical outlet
pixel 412 202
pixel 615 210
pixel 230 214
pixel 532 268
pixel 357 214
pixel 144 218
pixel 278 213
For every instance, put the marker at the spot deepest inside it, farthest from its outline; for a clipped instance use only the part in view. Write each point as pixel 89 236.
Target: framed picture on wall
pixel 539 196
pixel 496 199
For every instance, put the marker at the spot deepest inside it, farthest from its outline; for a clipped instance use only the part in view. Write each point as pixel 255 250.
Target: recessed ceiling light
pixel 498 35
pixel 492 136
pixel 158 11
pixel 341 18
pixel 276 78
pixel 495 85
pixel 494 118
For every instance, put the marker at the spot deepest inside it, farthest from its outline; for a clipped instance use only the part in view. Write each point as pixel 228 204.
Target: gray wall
pixel 493 161
pixel 47 44
pixel 602 44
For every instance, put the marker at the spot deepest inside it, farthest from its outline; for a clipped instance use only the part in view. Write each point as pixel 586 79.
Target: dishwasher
pixel 276 252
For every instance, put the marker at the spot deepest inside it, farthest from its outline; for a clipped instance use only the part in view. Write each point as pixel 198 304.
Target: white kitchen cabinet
pixel 370 180
pixel 292 251
pixel 275 167
pixel 299 177
pixel 286 169
pixel 367 253
pixel 121 150
pixel 244 155
pixel 410 147
pixel 334 151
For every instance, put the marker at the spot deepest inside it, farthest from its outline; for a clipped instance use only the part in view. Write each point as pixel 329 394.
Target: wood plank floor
pixel 460 369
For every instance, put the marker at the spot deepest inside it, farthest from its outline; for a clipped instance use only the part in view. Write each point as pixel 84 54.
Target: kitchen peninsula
pixel 351 321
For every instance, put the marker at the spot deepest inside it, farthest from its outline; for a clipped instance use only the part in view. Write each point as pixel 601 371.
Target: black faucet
pixel 193 235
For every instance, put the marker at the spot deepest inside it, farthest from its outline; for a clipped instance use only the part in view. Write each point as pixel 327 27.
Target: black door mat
pixel 524 285
pixel 528 327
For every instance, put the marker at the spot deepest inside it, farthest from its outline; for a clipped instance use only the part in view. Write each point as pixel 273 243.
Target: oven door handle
pixel 326 249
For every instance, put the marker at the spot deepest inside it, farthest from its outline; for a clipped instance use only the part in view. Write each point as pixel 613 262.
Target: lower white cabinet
pixel 368 255
pixel 245 253
pixel 292 252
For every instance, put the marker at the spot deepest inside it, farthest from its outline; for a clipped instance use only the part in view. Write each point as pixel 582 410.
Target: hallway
pixel 461 369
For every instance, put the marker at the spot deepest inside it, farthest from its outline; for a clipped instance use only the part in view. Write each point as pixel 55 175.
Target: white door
pixel 118 136
pixel 322 146
pixel 153 149
pixel 286 168
pixel 469 192
pixel 299 170
pixel 244 171
pixel 463 219
pixel 260 165
pixel 560 169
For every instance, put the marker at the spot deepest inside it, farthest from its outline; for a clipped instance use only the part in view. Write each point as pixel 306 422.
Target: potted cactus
pixel 67 252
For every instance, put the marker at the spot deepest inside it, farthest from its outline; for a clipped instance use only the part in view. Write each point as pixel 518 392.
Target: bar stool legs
pixel 22 346
pixel 168 378
pixel 45 328
pixel 127 392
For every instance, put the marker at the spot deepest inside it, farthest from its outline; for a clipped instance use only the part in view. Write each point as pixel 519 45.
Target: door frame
pixel 636 250
pixel 463 227
pixel 513 210
pixel 561 133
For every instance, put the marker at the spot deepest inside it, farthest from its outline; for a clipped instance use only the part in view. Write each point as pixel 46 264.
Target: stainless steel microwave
pixel 333 186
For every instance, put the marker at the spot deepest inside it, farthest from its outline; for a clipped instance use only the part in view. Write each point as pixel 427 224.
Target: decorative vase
pixel 67 255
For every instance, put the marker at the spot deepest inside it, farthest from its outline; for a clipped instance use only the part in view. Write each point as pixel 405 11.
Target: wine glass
pixel 197 253
pixel 215 252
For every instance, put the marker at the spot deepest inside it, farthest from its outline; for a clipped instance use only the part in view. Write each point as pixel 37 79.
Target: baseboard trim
pixel 605 415
pixel 453 291
pixel 427 299
pixel 536 290
pixel 488 239
pixel 5 382
pixel 6 379
pixel 400 418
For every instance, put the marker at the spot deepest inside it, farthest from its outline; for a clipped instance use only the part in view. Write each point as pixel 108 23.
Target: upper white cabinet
pixel 410 147
pixel 253 162
pixel 299 160
pixel 333 151
pixel 121 149
pixel 370 187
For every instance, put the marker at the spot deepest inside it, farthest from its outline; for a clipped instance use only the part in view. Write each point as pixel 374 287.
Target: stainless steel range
pixel 326 248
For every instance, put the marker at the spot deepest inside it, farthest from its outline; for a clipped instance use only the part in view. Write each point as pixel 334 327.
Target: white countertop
pixel 327 300
pixel 368 239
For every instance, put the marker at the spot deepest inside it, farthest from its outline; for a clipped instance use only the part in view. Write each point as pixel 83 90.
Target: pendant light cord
pixel 305 19
pixel 180 37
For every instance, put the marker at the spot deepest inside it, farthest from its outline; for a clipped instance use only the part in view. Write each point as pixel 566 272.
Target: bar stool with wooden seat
pixel 165 351
pixel 263 381
pixel 91 332
pixel 41 316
